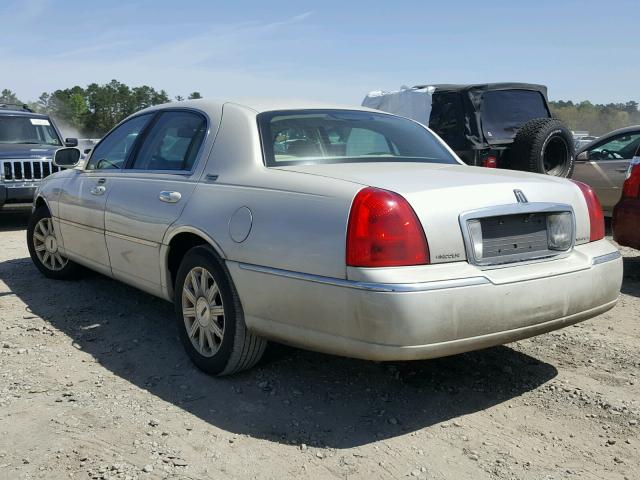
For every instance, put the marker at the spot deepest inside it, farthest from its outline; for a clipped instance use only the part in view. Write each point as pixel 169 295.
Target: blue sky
pixel 325 50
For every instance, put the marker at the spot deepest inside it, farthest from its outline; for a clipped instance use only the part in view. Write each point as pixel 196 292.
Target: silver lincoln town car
pixel 343 230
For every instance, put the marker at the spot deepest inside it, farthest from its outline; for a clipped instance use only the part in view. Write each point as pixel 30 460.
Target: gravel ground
pixel 94 384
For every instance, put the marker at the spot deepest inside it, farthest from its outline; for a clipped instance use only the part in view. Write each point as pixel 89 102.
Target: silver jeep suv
pixel 28 141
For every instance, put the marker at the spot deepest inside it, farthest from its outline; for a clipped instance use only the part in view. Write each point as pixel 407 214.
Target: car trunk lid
pixel 440 194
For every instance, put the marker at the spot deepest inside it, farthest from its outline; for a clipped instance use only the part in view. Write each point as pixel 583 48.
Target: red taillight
pixel 490 162
pixel 384 231
pixel 631 188
pixel 596 217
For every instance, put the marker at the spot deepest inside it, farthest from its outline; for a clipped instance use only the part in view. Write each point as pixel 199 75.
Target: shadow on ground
pixel 295 396
pixel 13 220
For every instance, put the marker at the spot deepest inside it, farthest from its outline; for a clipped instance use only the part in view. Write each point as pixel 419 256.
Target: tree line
pixel 94 110
pixel 596 119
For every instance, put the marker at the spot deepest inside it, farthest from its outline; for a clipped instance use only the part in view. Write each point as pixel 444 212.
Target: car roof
pixel 259 105
pixel 21 113
pixel 606 136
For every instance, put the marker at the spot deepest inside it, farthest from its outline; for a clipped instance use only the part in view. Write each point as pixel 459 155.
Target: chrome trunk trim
pixel 514 209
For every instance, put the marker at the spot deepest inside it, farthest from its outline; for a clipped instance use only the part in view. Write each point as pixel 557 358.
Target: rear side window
pixel 345 136
pixel 172 142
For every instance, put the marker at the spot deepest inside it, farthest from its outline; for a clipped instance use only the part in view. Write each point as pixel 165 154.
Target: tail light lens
pixel 490 162
pixel 384 231
pixel 596 217
pixel 631 188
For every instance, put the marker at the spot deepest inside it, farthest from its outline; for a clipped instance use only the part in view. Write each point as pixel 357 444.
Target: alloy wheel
pixel 203 311
pixel 45 244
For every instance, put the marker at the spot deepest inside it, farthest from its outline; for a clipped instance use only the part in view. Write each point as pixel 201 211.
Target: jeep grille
pixel 26 170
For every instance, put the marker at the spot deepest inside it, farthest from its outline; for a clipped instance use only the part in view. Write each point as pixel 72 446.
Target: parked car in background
pixel 27 143
pixel 344 230
pixel 582 139
pixel 626 214
pixel 604 162
pixel 498 125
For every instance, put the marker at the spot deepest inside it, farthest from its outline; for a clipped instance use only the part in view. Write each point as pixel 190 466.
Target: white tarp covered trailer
pixel 414 103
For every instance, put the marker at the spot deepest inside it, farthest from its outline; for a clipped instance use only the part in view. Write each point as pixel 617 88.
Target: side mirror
pixel 66 157
pixel 70 142
pixel 583 156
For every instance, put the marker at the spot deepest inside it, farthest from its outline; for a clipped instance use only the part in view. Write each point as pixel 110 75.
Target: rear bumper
pixel 405 321
pixel 626 222
pixel 17 195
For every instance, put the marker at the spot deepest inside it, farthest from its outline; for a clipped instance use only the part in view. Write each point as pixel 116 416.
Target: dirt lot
pixel 94 384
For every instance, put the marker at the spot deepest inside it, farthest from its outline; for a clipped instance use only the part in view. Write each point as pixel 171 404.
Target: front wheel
pixel 43 243
pixel 210 317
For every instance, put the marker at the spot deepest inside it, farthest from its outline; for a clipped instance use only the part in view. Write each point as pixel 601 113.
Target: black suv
pixel 504 125
pixel 27 143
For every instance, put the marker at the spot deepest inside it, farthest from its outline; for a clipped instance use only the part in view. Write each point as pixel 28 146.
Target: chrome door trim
pixel 369 286
pixel 146 243
pixel 80 225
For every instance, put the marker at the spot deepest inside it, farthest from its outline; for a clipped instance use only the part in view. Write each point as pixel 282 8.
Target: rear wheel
pixel 43 244
pixel 210 317
pixel 544 145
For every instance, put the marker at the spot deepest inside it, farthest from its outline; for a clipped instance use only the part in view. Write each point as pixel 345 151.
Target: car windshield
pixel 345 136
pixel 27 130
pixel 505 111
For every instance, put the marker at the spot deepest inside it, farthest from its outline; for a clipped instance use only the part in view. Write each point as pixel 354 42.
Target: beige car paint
pixel 290 271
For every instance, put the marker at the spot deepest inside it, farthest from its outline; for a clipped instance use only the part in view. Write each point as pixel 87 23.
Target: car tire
pixel 210 318
pixel 42 241
pixel 544 145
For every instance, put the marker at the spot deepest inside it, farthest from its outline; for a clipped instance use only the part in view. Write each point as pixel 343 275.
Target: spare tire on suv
pixel 544 145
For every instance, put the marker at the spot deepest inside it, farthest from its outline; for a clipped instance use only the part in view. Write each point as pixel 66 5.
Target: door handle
pixel 98 190
pixel 622 169
pixel 170 197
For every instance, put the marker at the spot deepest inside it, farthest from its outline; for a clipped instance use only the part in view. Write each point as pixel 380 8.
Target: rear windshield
pixel 505 111
pixel 345 136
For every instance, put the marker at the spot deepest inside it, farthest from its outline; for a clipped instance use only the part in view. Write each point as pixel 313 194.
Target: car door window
pixel 618 148
pixel 113 150
pixel 172 143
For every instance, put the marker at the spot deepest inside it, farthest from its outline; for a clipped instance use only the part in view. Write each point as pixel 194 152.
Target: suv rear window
pixel 345 136
pixel 505 111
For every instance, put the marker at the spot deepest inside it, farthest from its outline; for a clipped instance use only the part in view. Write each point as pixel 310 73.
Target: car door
pixel 606 164
pixel 150 195
pixel 83 196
